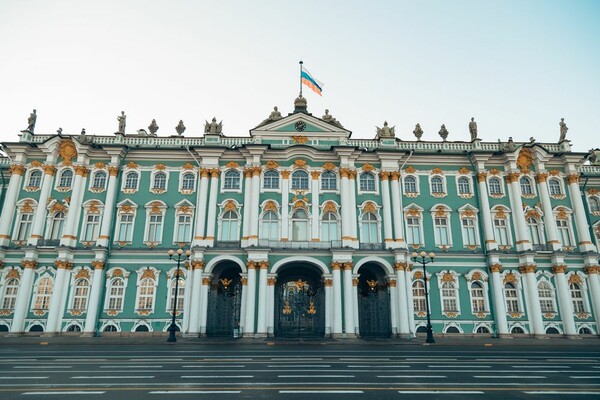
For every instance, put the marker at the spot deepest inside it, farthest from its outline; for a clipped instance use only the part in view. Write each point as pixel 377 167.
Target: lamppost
pixel 420 258
pixel 180 255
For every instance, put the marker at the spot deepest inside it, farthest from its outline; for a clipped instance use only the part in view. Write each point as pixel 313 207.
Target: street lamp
pixel 420 258
pixel 180 255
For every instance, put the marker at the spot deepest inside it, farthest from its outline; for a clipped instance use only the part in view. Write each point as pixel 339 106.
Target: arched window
pixel 418 290
pixel 180 294
pixel 155 225
pixel 328 181
pixel 545 293
pixel 512 298
pixel 300 180
pixel 81 289
pixel 482 329
pixel 585 331
pixel 368 231
pixel 410 184
pixel 99 181
pixel 449 297
pixel 142 328
pixel 74 328
pixel 35 179
pixel 594 204
pixel 160 181
pixel 300 226
pixel 44 294
pixel 116 291
pixel 452 329
pixel 495 186
pixel 271 179
pixel 554 185
pixel 477 298
pixel 232 179
pixel 57 223
pixel 552 331
pixel 187 181
pixel 125 228
pixel 329 227
pixel 526 188
pixel 9 297
pixel 131 180
pixel 110 328
pixel 534 231
pixel 437 185
pixel 229 227
pixel 270 226
pixel 146 294
pixel 66 179
pixel 517 329
pixel 577 298
pixel 367 182
pixel 464 185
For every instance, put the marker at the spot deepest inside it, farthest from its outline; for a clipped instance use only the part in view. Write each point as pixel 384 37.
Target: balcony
pixel 370 246
pixel 299 245
pixel 228 244
pixel 542 247
pixel 49 243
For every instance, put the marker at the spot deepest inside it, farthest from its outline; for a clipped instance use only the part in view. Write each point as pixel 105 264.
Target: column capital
pixel 263 264
pixel 17 169
pixel 354 281
pixel 251 264
pixel 63 264
pixel 315 175
pixel 391 282
pixel 344 172
pixel 214 172
pixel 497 267
pixel 81 170
pixel 527 268
pixel 592 269
pixel 395 175
pixel 352 174
pixel 573 178
pixel 541 177
pixel 244 281
pixel 206 281
pixel 49 169
pixel 512 177
pixel 348 266
pixel 481 176
pixel 384 175
pixel 285 174
pixel 400 266
pixel 29 264
pixel 328 282
pixel 335 265
pixel 271 281
pixel 198 264
pixel 256 171
pixel 559 268
pixel 203 172
pixel 113 170
pixel 97 264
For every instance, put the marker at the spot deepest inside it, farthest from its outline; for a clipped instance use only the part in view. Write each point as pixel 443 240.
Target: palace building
pixel 297 230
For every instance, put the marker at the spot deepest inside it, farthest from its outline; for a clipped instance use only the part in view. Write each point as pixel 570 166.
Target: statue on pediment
pixel 418 132
pixel 274 116
pixel 563 130
pixel 213 127
pixel 386 131
pixel 331 120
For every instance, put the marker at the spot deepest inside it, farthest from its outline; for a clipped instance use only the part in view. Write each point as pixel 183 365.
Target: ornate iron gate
pixel 224 304
pixel 374 309
pixel 299 309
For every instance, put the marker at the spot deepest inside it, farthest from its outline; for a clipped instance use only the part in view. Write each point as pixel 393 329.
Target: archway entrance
pixel 299 302
pixel 224 300
pixel 373 302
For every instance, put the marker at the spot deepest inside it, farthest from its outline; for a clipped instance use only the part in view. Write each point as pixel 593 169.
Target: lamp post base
pixel 172 329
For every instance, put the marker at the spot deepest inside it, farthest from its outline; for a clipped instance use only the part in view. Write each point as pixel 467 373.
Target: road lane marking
pixel 215 376
pixel 132 366
pixel 155 359
pixel 299 366
pixel 316 376
pixel 41 366
pixel 24 377
pixel 78 359
pixel 501 359
pixel 411 376
pixel 585 377
pixel 434 359
pixel 195 392
pixel 379 366
pixel 540 366
pixel 558 392
pixel 461 366
pixel 113 377
pixel 61 393
pixel 364 359
pixel 19 359
pixel 508 377
pixel 213 366
pixel 440 392
pixel 321 391
pixel 296 359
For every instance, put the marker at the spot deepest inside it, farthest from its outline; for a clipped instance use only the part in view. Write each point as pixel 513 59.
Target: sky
pixel 516 66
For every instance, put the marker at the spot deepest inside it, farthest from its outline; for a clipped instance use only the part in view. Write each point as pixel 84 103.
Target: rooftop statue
pixel 274 116
pixel 594 156
pixel 31 121
pixel 418 132
pixel 180 128
pixel 563 130
pixel 443 132
pixel 386 131
pixel 213 127
pixel 153 128
pixel 59 131
pixel 473 129
pixel 329 119
pixel 122 122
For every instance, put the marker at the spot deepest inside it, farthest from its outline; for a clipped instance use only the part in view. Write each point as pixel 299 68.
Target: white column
pixel 201 208
pixel 315 206
pixel 187 297
pixel 109 207
pixel 355 304
pixel 247 205
pixel 57 292
pixel 564 299
pixel 549 220
pixel 352 211
pixel 349 326
pixel 212 207
pixel 337 299
pixel 40 212
pixel 8 209
pixel 394 304
pixel 594 282
pixel 91 318
pixel 387 209
pixel 397 209
pixel 516 203
pixel 196 298
pixel 499 304
pixel 534 311
pixel 346 205
pixel 271 281
pixel 328 306
pixel 206 282
pixel 490 242
pixel 410 305
pixel 23 297
pixel 402 300
pixel 244 281
pixel 250 300
pixel 261 324
pixel 285 191
pixel 70 231
pixel 253 237
pixel 585 241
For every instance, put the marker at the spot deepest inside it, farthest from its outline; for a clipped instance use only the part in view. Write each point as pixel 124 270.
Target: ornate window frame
pixel 30 186
pixel 154 209
pixel 580 279
pixel 42 273
pixel 183 208
pixel 224 179
pixel 294 176
pixel 496 176
pixel 438 175
pixel 146 274
pixel 77 275
pixel 59 178
pixel 27 206
pixel 481 277
pixel 370 207
pixel 332 207
pixel 183 278
pixel 270 171
pixel 546 280
pixel 125 207
pixel 269 206
pixel 365 173
pixel 417 276
pixel 93 176
pixel 530 183
pixel 112 275
pixel 132 168
pixel 182 174
pixel 91 208
pixel 513 277
pixel 226 206
pixel 449 277
pixel 332 176
pixel 414 211
pixel 153 174
pixel 469 180
pixel 7 275
pixel 564 216
pixel 501 212
pixel 469 213
pixel 561 187
pixel 441 212
pixel 404 191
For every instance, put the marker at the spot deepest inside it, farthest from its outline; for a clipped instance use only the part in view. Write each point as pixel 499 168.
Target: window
pixel 56 225
pixel 232 180
pixel 131 180
pixel 546 295
pixel 585 331
pixel 418 289
pixel 91 228
pixel 188 181
pixel 564 233
pixel 271 179
pixel 300 226
pixel 469 232
pixel 155 228
pixel 43 295
pixel 66 179
pixel 482 329
pixel 495 186
pixel 229 227
pixel 125 229
pixel 464 185
pixel 269 228
pixel 477 298
pixel 329 227
pixel 183 234
pixel 442 237
pixel 368 233
pixel 180 295
pixel 577 298
pixel 413 230
pixel 24 228
pixel 146 294
pixel 449 297
pixel 437 185
pixel 110 328
pixel 594 204
pixel 534 231
pixel 35 179
pixel 99 181
pixel 9 297
pixel 160 181
pixel 501 231
pixel 367 182
pixel 116 291
pixel 81 289
pixel 512 298
pixel 526 187
pixel 517 329
pixel 555 188
pixel 300 180
pixel 328 181
pixel 410 184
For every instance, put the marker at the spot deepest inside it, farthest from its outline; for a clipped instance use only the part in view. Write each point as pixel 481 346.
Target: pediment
pixel 289 126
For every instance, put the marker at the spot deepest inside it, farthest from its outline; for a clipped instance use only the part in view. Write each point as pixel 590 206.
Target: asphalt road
pixel 298 372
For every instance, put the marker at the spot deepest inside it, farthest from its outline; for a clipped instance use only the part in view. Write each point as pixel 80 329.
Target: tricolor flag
pixel 310 81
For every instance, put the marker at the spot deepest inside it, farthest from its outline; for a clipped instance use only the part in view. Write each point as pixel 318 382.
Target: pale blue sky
pixel 516 66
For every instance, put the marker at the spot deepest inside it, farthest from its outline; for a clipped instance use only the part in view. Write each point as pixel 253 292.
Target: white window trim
pixel 411 194
pixel 561 184
pixel 585 293
pixel 153 174
pixel 546 279
pixel 3 283
pixel 171 285
pixel 91 187
pixel 506 211
pixel 134 208
pixel 44 272
pixel 357 179
pixel 149 213
pixel 337 215
pixel 502 188
pixel 242 181
pixel 486 290
pixel 73 279
pixel 569 220
pixel 260 223
pixel 178 212
pixel 17 222
pixel 531 183
pixel 471 187
pixel 124 179
pixel 271 190
pixel 222 212
pixel 180 183
pixel 140 276
pixel 440 281
pixel 420 216
pixel 308 223
pixel 447 214
pixel 26 186
pixel 58 178
pixel 426 281
pixel 377 213
pixel 518 287
pixel 337 183
pixel 291 179
pixel 109 278
pixel 86 211
pixel 444 186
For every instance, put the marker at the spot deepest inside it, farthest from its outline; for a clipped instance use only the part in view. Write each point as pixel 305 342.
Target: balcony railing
pixel 542 247
pixel 228 244
pixel 370 246
pixel 49 243
pixel 299 245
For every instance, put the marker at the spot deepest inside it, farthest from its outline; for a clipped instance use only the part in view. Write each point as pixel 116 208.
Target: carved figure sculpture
pixel 418 132
pixel 274 116
pixel 180 128
pixel 386 131
pixel 153 128
pixel 31 121
pixel 563 130
pixel 330 119
pixel 594 156
pixel 122 122
pixel 443 132
pixel 473 129
pixel 213 127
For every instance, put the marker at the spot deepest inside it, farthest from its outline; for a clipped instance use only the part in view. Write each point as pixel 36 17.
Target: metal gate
pixel 224 304
pixel 374 309
pixel 299 309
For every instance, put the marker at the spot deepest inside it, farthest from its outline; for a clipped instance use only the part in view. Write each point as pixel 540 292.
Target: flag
pixel 310 81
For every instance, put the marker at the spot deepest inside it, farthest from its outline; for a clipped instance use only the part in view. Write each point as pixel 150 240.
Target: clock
pixel 300 126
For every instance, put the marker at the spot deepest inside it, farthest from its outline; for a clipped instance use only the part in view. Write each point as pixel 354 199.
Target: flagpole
pixel 301 78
